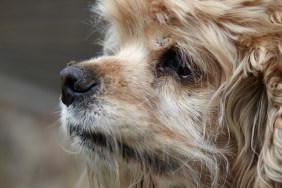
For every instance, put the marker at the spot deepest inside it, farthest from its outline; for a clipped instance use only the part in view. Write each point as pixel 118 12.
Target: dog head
pixel 187 93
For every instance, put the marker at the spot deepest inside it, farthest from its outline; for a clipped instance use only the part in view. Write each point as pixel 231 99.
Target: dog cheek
pixel 63 120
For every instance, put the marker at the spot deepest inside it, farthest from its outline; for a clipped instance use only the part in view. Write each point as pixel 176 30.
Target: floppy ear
pixel 253 115
pixel 252 101
pixel 270 158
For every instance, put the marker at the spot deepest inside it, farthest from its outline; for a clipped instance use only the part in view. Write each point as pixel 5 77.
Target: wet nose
pixel 76 83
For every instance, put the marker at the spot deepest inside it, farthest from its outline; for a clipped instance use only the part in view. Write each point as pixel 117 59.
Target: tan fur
pixel 223 130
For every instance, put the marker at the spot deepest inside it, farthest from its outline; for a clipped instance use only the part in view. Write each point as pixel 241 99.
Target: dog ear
pixel 252 102
pixel 253 115
pixel 270 158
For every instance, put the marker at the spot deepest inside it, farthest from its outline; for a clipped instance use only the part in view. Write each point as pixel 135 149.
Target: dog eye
pixel 173 62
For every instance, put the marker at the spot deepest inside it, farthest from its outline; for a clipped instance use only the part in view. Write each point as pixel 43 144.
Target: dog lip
pixel 92 140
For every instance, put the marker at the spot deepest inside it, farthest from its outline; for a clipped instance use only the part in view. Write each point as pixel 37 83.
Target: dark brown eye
pixel 175 63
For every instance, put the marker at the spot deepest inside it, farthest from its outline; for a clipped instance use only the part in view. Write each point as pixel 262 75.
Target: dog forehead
pixel 134 11
pixel 137 13
pixel 133 17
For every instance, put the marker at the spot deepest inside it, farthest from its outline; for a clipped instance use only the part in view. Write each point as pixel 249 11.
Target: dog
pixel 188 93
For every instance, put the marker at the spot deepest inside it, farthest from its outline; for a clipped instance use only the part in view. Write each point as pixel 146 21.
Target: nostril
pixel 76 82
pixel 68 82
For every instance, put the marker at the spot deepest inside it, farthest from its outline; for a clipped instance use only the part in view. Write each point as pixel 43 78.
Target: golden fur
pixel 221 130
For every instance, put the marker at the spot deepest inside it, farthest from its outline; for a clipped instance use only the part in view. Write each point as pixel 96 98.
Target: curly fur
pixel 224 130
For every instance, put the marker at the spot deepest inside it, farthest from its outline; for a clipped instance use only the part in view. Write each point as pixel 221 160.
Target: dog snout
pixel 76 83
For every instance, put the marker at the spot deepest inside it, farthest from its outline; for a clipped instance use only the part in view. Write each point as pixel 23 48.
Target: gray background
pixel 37 39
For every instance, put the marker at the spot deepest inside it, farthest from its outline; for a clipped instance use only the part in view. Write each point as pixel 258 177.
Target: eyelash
pixel 175 63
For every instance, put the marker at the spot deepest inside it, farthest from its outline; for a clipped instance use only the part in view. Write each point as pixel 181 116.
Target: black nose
pixel 76 83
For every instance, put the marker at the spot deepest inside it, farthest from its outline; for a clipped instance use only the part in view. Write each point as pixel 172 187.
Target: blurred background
pixel 37 39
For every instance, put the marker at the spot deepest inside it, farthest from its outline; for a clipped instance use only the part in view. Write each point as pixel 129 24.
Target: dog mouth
pixel 91 139
pixel 94 140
